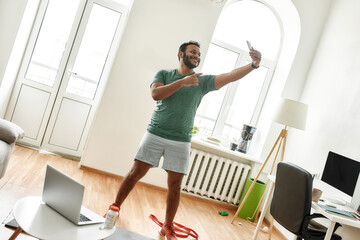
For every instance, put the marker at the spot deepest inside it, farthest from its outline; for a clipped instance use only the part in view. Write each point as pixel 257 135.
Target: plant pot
pixel 233 146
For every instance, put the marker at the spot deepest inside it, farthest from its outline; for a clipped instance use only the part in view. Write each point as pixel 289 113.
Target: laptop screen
pixel 63 194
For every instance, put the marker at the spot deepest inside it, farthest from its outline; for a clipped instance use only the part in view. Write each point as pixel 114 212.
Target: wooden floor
pixel 25 177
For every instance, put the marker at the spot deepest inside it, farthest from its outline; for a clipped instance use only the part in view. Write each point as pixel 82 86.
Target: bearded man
pixel 178 93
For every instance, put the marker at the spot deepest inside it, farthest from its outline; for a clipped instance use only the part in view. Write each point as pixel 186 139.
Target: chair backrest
pixel 292 196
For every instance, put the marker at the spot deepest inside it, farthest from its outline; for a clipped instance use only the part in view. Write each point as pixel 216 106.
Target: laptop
pixel 65 195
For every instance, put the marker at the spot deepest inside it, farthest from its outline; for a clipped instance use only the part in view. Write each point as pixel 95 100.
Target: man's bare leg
pixel 173 195
pixel 138 170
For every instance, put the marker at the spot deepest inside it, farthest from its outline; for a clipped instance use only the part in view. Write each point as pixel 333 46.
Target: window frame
pixel 243 58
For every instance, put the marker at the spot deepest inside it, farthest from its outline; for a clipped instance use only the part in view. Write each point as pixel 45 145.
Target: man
pixel 178 93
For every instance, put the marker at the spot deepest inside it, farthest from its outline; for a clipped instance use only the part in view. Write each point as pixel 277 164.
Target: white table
pixel 38 220
pixel 334 218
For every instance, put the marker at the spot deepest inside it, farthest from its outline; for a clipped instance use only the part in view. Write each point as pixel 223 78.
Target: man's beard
pixel 188 63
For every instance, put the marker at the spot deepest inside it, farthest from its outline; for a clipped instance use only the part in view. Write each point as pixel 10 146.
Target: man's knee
pixel 138 170
pixel 175 180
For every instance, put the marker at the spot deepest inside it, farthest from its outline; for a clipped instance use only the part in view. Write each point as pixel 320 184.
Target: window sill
pixel 223 151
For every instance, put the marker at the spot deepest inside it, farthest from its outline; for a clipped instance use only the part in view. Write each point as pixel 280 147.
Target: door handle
pixel 72 73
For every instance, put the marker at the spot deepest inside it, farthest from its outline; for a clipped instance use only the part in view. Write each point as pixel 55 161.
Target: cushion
pixel 5 152
pixel 10 132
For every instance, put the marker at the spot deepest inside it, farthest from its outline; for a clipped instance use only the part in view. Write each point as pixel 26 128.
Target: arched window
pixel 222 113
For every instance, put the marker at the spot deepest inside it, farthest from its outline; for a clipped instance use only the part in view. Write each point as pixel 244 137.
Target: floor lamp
pixel 288 113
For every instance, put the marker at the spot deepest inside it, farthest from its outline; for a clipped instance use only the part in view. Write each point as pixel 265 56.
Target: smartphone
pixel 249 45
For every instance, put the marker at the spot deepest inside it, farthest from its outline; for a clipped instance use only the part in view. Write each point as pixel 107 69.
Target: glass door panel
pixel 65 67
pixel 210 106
pixel 51 41
pixel 246 97
pixel 84 78
pixel 244 103
pixel 95 45
pixel 211 103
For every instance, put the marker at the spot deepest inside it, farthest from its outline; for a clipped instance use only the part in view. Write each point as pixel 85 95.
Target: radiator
pixel 215 177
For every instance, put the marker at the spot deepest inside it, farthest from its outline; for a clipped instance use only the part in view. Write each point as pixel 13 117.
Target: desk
pixel 38 220
pixel 334 218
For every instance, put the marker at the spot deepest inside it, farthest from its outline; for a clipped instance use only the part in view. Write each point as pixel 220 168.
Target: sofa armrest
pixel 10 132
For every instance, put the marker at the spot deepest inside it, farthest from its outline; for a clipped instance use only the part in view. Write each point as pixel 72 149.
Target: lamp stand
pixel 280 142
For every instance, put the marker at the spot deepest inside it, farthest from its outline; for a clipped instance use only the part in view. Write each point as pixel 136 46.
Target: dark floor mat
pixel 125 234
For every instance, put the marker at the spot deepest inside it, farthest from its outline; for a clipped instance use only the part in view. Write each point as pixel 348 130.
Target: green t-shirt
pixel 174 116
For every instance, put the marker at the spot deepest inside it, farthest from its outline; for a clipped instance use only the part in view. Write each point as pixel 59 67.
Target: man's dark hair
pixel 183 46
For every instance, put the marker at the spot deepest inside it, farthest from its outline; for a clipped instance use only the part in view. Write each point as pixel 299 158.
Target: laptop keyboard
pixel 84 218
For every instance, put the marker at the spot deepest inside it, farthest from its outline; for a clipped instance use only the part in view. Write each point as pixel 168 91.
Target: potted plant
pixel 194 131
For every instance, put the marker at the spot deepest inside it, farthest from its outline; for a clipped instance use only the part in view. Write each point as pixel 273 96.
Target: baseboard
pixel 59 154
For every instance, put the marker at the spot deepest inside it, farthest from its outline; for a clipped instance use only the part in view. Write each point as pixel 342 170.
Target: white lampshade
pixel 291 113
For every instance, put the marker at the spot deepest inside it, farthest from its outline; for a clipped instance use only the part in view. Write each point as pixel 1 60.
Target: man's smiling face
pixel 191 56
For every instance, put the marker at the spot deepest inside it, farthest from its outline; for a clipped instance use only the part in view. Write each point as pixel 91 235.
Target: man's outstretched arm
pixel 238 73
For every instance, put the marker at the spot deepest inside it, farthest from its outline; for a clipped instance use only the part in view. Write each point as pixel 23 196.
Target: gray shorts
pixel 176 154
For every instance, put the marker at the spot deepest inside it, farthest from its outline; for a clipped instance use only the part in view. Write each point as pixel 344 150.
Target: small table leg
pixel 330 230
pixel 16 233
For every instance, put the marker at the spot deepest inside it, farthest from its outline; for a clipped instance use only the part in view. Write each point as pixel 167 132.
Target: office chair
pixel 291 203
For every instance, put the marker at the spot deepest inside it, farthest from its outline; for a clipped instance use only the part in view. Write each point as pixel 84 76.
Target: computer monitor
pixel 341 173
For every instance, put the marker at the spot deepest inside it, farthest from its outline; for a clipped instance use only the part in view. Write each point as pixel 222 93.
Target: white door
pixel 64 71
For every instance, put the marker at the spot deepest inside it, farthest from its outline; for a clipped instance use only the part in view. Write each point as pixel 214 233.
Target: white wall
pixel 332 91
pixel 153 34
pixel 11 13
pixel 10 17
pixel 313 16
